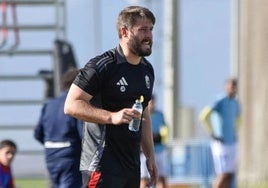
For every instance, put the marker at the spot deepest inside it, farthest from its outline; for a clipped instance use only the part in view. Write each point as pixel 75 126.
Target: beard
pixel 137 47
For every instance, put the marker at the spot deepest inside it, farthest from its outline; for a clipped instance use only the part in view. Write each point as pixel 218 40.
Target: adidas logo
pixel 122 83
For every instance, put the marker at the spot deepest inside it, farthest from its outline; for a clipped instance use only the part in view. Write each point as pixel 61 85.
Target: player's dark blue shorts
pixel 102 180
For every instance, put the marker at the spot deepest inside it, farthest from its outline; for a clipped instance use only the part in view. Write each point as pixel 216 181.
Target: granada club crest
pixel 147 81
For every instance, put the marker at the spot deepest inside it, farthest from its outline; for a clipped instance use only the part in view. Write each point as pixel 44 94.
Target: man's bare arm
pixel 148 147
pixel 77 105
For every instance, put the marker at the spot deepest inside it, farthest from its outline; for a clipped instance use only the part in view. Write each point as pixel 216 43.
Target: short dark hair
pixel 232 80
pixel 128 17
pixel 7 142
pixel 68 78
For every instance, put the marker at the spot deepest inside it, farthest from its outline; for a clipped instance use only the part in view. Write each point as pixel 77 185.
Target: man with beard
pixel 102 95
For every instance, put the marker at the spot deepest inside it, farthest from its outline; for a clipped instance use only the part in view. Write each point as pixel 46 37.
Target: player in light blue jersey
pixel 223 131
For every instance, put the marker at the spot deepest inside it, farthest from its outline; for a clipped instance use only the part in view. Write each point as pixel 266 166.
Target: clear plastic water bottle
pixel 134 124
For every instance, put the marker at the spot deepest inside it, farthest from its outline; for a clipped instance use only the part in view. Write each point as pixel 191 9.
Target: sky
pixel 205 28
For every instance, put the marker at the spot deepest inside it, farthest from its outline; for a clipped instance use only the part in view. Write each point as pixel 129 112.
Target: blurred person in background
pixel 223 133
pixel 160 133
pixel 61 136
pixel 8 150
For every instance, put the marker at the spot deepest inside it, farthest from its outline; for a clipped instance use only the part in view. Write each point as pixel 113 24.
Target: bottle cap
pixel 141 99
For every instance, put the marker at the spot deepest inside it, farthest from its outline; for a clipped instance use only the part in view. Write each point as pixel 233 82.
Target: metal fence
pixel 190 163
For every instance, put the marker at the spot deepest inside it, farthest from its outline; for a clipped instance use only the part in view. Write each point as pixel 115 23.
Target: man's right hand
pixel 124 116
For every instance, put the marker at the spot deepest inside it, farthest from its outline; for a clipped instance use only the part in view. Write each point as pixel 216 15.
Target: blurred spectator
pixel 159 129
pixel 61 136
pixel 224 133
pixel 8 150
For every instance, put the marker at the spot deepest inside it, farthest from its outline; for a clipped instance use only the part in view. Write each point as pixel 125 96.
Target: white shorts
pixel 224 156
pixel 161 163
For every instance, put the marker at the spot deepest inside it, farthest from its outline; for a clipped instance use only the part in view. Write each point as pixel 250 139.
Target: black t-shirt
pixel 114 84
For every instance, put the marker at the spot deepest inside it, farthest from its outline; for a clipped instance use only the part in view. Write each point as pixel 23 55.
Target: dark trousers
pixel 64 173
